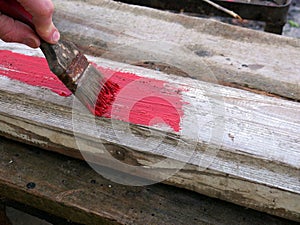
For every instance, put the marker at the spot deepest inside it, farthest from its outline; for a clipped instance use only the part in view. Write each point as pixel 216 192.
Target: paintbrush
pixel 69 65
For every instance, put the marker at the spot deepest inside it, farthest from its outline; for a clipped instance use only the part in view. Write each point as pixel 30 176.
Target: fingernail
pixel 30 42
pixel 55 36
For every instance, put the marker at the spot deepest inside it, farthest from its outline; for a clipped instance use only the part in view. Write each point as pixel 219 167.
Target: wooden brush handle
pixel 60 57
pixel 15 10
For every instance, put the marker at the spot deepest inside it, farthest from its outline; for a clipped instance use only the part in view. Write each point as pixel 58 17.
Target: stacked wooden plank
pixel 37 181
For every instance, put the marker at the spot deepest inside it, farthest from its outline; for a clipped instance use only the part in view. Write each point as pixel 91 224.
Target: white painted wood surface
pixel 247 148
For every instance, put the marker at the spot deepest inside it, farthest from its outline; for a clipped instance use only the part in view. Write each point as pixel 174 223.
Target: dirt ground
pixel 19 218
pixel 290 29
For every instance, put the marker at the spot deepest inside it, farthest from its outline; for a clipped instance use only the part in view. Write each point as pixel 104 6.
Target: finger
pixel 15 31
pixel 42 11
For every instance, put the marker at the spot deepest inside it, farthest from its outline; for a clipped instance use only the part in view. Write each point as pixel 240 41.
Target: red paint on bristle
pixel 105 98
pixel 124 96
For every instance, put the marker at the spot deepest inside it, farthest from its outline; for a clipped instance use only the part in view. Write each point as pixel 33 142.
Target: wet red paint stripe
pixel 139 100
pixel 30 70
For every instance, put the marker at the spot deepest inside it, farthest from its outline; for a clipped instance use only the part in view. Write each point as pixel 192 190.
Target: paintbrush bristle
pixel 80 77
pixel 95 92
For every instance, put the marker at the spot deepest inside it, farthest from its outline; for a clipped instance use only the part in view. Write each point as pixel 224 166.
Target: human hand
pixel 15 31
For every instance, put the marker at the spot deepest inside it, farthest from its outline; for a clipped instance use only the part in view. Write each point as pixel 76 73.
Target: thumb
pixel 42 12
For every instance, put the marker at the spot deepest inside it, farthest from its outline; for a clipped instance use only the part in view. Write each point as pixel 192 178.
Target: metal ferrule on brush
pixel 66 61
pixel 80 76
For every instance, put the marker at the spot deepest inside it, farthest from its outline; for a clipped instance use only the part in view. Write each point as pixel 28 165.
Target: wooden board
pixel 232 55
pixel 63 186
pixel 249 157
pixel 239 146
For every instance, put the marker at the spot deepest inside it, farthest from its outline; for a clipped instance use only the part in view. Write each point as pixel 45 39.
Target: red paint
pixel 143 100
pixel 30 70
pixel 105 98
pixel 139 100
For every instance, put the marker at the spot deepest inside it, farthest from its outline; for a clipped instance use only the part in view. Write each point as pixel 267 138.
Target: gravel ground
pixel 294 15
pixel 19 218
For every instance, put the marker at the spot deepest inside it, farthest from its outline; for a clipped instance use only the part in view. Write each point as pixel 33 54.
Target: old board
pixel 228 143
pixel 70 189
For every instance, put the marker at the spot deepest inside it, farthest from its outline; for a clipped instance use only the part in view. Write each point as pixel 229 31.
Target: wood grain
pixel 63 186
pixel 227 54
pixel 246 149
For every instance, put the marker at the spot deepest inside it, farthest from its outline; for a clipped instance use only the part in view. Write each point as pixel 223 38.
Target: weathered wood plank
pixel 240 147
pixel 64 186
pixel 231 54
